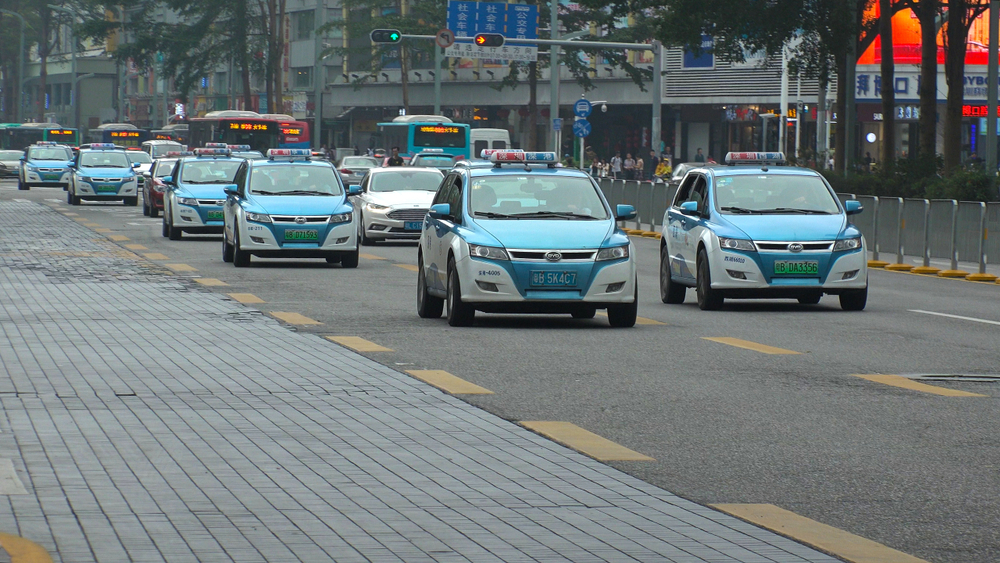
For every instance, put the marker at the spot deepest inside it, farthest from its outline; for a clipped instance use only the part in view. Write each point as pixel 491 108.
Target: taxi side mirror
pixel 440 211
pixel 353 190
pixel 231 190
pixel 168 180
pixel 624 212
pixel 135 165
pixel 690 208
pixel 853 207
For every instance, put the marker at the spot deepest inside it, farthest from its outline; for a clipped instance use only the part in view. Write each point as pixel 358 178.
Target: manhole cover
pixel 957 377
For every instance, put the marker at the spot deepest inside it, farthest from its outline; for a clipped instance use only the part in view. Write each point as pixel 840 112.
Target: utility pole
pixel 554 77
pixel 850 106
pixel 319 80
pixel 20 68
pixel 74 94
pixel 991 90
pixel 783 101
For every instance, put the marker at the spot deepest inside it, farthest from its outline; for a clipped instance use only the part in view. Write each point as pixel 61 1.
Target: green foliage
pixel 919 178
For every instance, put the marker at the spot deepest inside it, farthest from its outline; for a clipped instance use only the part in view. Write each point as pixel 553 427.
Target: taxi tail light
pixel 345 171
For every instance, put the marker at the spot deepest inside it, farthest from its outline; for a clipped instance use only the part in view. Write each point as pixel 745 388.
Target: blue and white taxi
pixel 289 206
pixel 102 172
pixel 522 238
pixel 196 191
pixel 46 164
pixel 757 229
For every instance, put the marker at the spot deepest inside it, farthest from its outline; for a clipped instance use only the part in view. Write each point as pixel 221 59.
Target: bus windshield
pixel 439 135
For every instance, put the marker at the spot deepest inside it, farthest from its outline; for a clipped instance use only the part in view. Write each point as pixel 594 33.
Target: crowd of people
pixel 631 168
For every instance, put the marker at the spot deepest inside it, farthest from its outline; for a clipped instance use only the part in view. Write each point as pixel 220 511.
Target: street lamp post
pixel 319 80
pixel 20 67
pixel 72 43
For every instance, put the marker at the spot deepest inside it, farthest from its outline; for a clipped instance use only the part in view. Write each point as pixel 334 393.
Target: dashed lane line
pixel 371 257
pixel 246 298
pixel 907 383
pixel 294 318
pixel 959 317
pixel 155 256
pixel 584 441
pixel 448 382
pixel 843 544
pixel 748 345
pixel 410 267
pixel 210 282
pixel 358 344
pixel 181 267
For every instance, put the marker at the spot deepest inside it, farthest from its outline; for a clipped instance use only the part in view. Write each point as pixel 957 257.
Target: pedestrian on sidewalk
pixel 616 166
pixel 699 157
pixel 639 168
pixel 650 170
pixel 629 166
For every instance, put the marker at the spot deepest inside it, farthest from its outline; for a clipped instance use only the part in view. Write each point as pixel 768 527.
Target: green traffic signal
pixel 386 36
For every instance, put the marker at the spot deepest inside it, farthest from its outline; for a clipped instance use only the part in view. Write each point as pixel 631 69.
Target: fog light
pixel 487 286
pixel 376 227
pixel 736 275
pixel 258 240
pixel 615 287
pixel 850 275
pixel 342 240
pixel 186 218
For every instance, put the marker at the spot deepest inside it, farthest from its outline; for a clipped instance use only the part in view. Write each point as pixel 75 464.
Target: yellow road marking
pixel 210 281
pixel 827 538
pixel 70 214
pixel 448 382
pixel 907 383
pixel 118 238
pixel 246 298
pixel 91 224
pixel 762 348
pixel 82 220
pixel 136 247
pixel 370 257
pixel 22 550
pixel 410 267
pixel 155 256
pixel 584 441
pixel 359 344
pixel 103 231
pixel 640 320
pixel 181 267
pixel 294 318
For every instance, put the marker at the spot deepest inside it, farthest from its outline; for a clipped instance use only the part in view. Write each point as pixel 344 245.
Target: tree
pixel 928 12
pixel 888 84
pixel 961 15
pixel 10 51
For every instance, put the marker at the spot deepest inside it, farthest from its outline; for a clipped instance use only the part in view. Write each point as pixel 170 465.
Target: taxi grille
pixel 407 214
pixel 567 255
pixel 51 170
pixel 93 179
pixel 783 246
pixel 310 219
pixel 211 202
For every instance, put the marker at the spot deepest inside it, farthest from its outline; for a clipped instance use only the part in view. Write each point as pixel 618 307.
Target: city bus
pixel 261 132
pixel 418 133
pixel 174 132
pixel 25 134
pixel 121 134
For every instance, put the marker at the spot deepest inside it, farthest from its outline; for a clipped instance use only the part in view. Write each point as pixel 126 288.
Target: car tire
pixel 585 313
pixel 153 211
pixel 625 315
pixel 241 258
pixel 460 313
pixel 145 207
pixel 708 298
pixel 21 185
pixel 333 259
pixel 131 201
pixel 428 306
pixel 362 237
pixel 350 259
pixel 173 233
pixel 670 291
pixel 166 227
pixel 69 198
pixel 227 250
pixel 810 299
pixel 854 300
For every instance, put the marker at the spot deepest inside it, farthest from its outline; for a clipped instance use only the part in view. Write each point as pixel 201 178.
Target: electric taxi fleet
pixel 758 229
pixel 523 238
pixel 289 206
pixel 45 164
pixel 195 191
pixel 103 172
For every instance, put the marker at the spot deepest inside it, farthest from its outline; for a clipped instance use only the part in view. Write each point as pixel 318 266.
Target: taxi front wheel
pixel 708 298
pixel 350 259
pixel 460 313
pixel 428 306
pixel 854 300
pixel 624 315
pixel 241 258
pixel 670 291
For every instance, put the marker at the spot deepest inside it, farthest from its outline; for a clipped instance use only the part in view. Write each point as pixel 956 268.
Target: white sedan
pixel 393 202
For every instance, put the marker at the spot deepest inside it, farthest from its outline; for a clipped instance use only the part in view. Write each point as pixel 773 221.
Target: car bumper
pixel 380 227
pixel 188 218
pixel 87 191
pixel 46 180
pixel 479 278
pixel 155 199
pixel 259 240
pixel 847 271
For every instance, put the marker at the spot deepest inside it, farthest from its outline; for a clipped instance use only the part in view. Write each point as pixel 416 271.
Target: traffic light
pixel 489 40
pixel 386 36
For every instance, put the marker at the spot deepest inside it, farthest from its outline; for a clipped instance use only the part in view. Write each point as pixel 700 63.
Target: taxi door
pixel 441 232
pixel 231 207
pixel 683 230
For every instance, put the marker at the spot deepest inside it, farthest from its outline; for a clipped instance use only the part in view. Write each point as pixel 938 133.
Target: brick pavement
pixel 153 420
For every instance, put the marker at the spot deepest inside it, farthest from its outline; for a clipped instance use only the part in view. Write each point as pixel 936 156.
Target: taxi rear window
pixel 774 194
pixel 545 197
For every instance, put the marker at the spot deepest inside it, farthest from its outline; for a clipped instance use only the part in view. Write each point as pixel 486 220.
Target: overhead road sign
pixel 511 21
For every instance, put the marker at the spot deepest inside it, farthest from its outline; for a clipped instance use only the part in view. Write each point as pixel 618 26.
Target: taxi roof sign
pixel 101 146
pixel 499 157
pixel 216 146
pixel 238 147
pixel 45 143
pixel 212 152
pixel 289 153
pixel 773 158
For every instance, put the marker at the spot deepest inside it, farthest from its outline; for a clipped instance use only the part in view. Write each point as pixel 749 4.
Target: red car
pixel 153 187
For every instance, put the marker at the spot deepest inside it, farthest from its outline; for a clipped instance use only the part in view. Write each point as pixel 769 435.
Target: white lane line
pixel 973 319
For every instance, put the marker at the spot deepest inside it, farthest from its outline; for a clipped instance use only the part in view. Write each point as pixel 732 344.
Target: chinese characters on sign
pixel 467 18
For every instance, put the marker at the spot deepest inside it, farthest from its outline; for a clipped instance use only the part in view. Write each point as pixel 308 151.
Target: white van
pixel 488 139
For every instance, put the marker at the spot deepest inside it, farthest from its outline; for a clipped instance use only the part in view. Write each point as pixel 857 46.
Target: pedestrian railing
pixel 901 233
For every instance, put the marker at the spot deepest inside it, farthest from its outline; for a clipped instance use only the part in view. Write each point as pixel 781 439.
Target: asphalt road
pixel 910 469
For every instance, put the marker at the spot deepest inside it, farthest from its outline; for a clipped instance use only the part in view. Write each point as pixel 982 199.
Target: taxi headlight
pixel 341 218
pixel 377 207
pixel 85 179
pixel 847 244
pixel 613 253
pixel 488 252
pixel 737 244
pixel 258 217
pixel 187 201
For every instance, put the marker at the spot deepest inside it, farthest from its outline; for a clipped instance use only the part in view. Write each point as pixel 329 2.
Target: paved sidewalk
pixel 151 420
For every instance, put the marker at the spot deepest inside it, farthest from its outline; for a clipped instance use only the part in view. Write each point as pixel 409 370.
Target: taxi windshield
pixel 534 197
pixel 401 180
pixel 209 171
pixel 103 159
pixel 435 161
pixel 294 179
pixel 774 194
pixel 139 156
pixel 49 153
pixel 165 167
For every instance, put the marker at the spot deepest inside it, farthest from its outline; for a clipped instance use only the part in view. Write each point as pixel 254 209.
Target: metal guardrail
pixel 895 228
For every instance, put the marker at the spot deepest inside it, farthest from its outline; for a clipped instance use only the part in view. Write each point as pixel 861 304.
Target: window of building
pixel 221 83
pixel 303 24
pixel 302 77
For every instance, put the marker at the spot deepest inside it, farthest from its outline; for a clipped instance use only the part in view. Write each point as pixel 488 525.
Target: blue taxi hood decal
pixel 203 191
pixel 301 204
pixel 101 172
pixel 49 163
pixel 789 227
pixel 548 233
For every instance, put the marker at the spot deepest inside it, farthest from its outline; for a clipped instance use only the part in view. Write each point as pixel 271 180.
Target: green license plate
pixel 107 188
pixel 215 216
pixel 796 268
pixel 51 176
pixel 558 279
pixel 301 234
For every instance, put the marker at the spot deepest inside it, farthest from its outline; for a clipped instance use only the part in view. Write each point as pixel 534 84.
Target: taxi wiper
pixel 491 215
pixel 733 209
pixel 557 214
pixel 794 210
pixel 306 192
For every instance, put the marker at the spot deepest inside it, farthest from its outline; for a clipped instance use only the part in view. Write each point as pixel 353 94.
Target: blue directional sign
pixel 557 124
pixel 581 128
pixel 582 108
pixel 467 18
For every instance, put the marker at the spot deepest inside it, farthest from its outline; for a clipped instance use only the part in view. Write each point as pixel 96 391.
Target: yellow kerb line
pixel 448 382
pixel 584 441
pixel 22 550
pixel 246 298
pixel 748 345
pixel 907 383
pixel 358 344
pixel 294 318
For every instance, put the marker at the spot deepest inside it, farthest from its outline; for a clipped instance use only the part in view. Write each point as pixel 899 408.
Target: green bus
pixel 17 136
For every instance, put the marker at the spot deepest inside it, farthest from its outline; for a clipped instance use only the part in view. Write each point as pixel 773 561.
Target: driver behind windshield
pixel 209 172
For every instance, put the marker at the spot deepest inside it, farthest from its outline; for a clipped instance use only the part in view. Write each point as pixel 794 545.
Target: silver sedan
pixel 393 202
pixel 353 168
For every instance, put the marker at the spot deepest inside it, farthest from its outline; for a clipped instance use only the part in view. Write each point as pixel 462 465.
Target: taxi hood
pixel 105 172
pixel 204 191
pixel 420 198
pixel 560 234
pixel 789 227
pixel 299 205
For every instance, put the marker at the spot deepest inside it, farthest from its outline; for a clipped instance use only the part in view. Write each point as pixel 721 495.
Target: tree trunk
pixel 839 138
pixel 43 55
pixel 279 69
pixel 533 106
pixel 269 64
pixel 888 86
pixel 242 22
pixel 927 13
pixel 954 72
